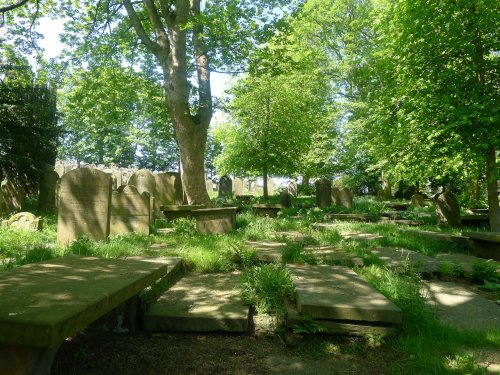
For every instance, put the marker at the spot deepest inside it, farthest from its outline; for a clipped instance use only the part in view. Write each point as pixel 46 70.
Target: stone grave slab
pixel 463 260
pixel 270 210
pixel 200 303
pixel 267 251
pixel 332 254
pixel 324 226
pixel 350 217
pixel 215 220
pixel 362 236
pixel 294 318
pixel 411 223
pixel 290 235
pixel 338 293
pixel 399 258
pixel 439 236
pixel 461 308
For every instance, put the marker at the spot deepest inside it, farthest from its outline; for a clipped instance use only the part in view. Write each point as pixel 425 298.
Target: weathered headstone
pixel 237 186
pixel 270 186
pixel 209 185
pixel 144 181
pixel 336 196
pixel 225 186
pixel 130 211
pixel 59 169
pixel 292 188
pixel 69 167
pixel 47 191
pixel 12 197
pixel 345 197
pixel 84 205
pixel 26 221
pixel 417 200
pixel 448 209
pixel 323 193
pixel 168 189
pixel 286 199
pixel 252 187
pixel 386 191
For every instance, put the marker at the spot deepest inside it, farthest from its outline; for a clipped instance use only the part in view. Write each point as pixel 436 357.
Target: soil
pixel 218 353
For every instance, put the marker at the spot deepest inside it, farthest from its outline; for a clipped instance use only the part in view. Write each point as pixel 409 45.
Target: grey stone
pixel 448 209
pixel 215 220
pixel 401 259
pixel 237 186
pixel 484 244
pixel 345 197
pixel 362 236
pixel 286 199
pixel 417 200
pixel 25 221
pixel 336 196
pixel 323 193
pixel 461 308
pixel 130 211
pixel 335 292
pixel 267 251
pixel 84 205
pixel 208 302
pixel 270 210
pixel 225 186
pixel 168 189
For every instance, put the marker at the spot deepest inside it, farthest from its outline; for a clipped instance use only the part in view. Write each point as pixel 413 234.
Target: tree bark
pixel 491 181
pixel 264 178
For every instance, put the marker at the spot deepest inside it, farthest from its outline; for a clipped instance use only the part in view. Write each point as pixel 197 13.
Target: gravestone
pixel 25 221
pixel 47 191
pixel 130 211
pixel 336 196
pixel 237 186
pixel 448 209
pixel 144 181
pixel 84 205
pixel 69 167
pixel 286 199
pixel 209 185
pixel 345 197
pixel 270 186
pixel 12 197
pixel 292 188
pixel 417 200
pixel 59 169
pixel 323 193
pixel 225 186
pixel 386 192
pixel 168 189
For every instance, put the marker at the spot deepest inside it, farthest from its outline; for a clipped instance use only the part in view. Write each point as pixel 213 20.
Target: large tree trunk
pixel 491 181
pixel 265 177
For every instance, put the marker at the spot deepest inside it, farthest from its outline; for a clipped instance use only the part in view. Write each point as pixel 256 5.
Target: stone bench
pixel 270 210
pixel 179 211
pixel 215 220
pixel 44 303
pixel 484 244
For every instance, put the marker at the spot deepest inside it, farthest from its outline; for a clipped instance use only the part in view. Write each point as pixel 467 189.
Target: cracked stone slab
pixel 200 303
pixel 461 308
pixel 336 292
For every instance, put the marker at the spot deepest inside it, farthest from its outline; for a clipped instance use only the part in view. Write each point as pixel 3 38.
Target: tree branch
pixel 13 6
pixel 136 22
pixel 161 35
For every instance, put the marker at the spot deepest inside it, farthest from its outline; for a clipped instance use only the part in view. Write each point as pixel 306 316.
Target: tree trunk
pixel 265 177
pixel 491 181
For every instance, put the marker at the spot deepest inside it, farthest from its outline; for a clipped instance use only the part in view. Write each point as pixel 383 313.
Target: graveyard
pixel 249 187
pixel 294 285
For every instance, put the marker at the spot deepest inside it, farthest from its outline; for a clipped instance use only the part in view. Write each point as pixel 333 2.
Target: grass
pixel 424 346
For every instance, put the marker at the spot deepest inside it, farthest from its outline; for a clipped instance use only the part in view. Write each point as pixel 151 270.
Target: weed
pixel 308 326
pixel 484 270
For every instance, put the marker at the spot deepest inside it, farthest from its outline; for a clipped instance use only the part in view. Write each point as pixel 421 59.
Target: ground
pixel 218 353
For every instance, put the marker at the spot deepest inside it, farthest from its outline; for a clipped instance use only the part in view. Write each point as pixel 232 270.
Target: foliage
pixel 483 271
pixel 308 325
pixel 267 287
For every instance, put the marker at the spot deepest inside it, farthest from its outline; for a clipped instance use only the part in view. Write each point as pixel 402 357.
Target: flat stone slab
pixel 338 293
pixel 44 303
pixel 200 303
pixel 288 365
pixel 398 258
pixel 324 226
pixel 332 254
pixel 362 236
pixel 411 223
pixel 446 237
pixel 350 217
pixel 464 261
pixel 290 235
pixel 461 308
pixel 267 251
pixel 294 319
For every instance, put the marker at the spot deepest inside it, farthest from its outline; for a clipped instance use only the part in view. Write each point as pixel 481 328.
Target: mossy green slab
pixel 336 292
pixel 44 303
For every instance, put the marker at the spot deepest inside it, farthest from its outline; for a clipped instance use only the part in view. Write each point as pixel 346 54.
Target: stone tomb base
pixel 270 210
pixel 173 212
pixel 200 303
pixel 215 220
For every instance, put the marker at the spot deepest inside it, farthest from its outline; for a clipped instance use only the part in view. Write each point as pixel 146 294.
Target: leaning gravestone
pixel 345 197
pixel 168 189
pixel 417 200
pixel 237 186
pixel 448 209
pixel 130 211
pixel 84 205
pixel 225 186
pixel 47 191
pixel 336 196
pixel 25 221
pixel 323 193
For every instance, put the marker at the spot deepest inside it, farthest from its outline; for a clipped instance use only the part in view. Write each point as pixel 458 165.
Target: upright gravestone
pixel 323 193
pixel 47 191
pixel 252 186
pixel 126 173
pixel 417 200
pixel 270 186
pixel 144 181
pixel 448 209
pixel 59 169
pixel 84 205
pixel 286 199
pixel 209 184
pixel 130 211
pixel 336 196
pixel 225 186
pixel 345 197
pixel 237 186
pixel 69 167
pixel 386 192
pixel 292 188
pixel 168 189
